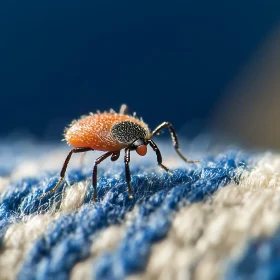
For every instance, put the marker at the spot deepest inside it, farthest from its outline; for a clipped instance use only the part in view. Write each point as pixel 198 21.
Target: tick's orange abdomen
pixel 94 131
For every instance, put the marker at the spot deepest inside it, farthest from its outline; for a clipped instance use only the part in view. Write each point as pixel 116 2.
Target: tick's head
pixel 132 134
pixel 140 146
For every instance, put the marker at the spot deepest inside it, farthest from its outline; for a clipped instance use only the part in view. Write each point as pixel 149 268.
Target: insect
pixel 111 132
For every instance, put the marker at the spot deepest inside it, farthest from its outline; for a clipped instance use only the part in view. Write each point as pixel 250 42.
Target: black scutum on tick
pixel 127 132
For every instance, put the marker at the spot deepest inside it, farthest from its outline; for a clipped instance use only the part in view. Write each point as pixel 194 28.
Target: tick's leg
pixel 159 157
pixel 94 173
pixel 174 139
pixel 64 167
pixel 127 171
pixel 115 156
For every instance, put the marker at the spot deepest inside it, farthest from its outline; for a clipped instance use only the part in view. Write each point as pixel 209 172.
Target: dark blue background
pixel 168 60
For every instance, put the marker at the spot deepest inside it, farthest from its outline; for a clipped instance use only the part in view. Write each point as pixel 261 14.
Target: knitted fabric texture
pixel 216 219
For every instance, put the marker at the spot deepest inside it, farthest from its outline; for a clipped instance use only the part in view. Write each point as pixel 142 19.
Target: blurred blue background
pixel 168 60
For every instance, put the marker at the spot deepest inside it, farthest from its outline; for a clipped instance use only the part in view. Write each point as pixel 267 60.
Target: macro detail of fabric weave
pixel 216 219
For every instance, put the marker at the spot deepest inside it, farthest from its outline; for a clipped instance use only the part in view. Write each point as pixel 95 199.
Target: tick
pixel 111 132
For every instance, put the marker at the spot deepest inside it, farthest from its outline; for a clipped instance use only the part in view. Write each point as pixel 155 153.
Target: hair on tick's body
pixel 111 132
pixel 105 131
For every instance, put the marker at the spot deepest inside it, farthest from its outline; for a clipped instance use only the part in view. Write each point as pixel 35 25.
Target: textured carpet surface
pixel 217 219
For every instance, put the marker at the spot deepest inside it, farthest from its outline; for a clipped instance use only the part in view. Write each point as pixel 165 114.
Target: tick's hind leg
pixel 94 172
pixel 174 139
pixel 64 167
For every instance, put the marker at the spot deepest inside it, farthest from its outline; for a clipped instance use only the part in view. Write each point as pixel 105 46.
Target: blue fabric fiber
pixel 260 261
pixel 157 194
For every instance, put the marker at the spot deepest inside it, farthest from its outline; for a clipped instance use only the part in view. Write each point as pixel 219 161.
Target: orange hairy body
pixel 94 131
